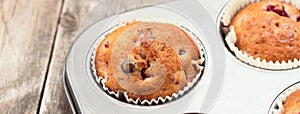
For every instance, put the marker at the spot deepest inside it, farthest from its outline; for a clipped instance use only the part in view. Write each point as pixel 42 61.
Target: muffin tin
pixel 249 89
pixel 87 94
pixel 246 89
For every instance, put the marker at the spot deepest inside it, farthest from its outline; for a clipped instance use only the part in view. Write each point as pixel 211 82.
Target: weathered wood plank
pixel 27 30
pixel 54 99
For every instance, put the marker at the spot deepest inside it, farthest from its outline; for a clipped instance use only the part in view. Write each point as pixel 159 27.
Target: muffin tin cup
pixel 229 12
pixel 123 95
pixel 277 106
pixel 87 90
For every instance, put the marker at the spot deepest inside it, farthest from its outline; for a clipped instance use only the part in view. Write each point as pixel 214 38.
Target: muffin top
pixel 269 30
pixel 147 59
pixel 292 104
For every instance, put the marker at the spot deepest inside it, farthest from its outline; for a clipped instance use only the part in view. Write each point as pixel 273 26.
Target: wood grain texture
pixel 27 30
pixel 54 98
pixel 74 11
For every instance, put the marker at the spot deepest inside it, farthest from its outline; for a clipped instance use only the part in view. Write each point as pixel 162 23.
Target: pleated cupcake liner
pixel 229 12
pixel 154 101
pixel 277 107
pixel 96 45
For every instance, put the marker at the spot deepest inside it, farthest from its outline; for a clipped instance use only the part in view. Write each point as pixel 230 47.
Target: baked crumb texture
pixel 265 34
pixel 149 62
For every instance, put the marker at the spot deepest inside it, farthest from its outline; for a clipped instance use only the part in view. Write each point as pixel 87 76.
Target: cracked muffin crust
pixel 147 59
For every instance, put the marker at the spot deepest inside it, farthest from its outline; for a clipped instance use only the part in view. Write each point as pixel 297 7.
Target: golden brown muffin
pixel 148 60
pixel 292 104
pixel 269 30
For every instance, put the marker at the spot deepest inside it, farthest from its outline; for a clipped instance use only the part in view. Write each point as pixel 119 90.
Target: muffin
pixel 288 101
pixel 292 103
pixel 265 32
pixel 147 60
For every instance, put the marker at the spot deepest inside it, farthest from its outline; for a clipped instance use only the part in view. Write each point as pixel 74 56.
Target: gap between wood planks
pixel 50 57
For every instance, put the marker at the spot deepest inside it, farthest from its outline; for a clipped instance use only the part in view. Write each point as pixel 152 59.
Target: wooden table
pixel 35 37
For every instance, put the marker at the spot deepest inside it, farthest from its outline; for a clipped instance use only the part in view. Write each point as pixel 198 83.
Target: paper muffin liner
pixel 277 106
pixel 100 80
pixel 154 101
pixel 229 12
pixel 96 45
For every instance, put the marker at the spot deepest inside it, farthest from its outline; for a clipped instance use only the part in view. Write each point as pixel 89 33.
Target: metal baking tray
pixel 245 89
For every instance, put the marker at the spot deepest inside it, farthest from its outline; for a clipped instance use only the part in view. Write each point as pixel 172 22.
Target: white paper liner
pixel 100 79
pixel 229 12
pixel 152 101
pixel 277 107
pixel 93 56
